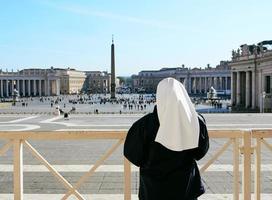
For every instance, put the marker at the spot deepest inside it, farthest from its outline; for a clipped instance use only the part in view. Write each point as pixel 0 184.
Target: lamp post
pixel 263 100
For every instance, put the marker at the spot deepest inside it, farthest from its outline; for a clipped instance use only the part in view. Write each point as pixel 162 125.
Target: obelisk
pixel 113 85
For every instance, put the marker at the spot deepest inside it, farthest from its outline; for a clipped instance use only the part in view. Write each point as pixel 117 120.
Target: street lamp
pixel 263 100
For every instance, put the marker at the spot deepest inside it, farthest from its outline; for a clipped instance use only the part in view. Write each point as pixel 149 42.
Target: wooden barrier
pixel 260 136
pixel 234 138
pixel 19 139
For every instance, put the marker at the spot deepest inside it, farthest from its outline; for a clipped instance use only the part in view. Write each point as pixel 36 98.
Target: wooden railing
pixel 260 137
pixel 233 137
pixel 19 139
pixel 239 139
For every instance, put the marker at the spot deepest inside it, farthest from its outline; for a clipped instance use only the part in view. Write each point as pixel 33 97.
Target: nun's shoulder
pixel 143 120
pixel 144 129
pixel 201 118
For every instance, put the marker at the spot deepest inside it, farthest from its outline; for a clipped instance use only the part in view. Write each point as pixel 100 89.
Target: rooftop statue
pixel 245 50
pixel 238 52
pixel 255 50
pixel 233 54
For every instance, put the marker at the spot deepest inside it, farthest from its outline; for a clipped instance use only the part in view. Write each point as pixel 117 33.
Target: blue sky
pixel 149 34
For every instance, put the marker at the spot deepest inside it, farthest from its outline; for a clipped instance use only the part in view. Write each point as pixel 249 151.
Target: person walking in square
pixel 166 144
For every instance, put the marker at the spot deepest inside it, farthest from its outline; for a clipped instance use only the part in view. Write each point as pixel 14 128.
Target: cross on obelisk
pixel 113 85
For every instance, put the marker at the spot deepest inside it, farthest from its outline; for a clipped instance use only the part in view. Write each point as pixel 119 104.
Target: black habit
pixel 164 174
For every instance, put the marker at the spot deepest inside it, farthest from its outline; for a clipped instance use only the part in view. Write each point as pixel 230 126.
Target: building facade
pixel 197 81
pixel 251 72
pixel 71 81
pixel 98 82
pixel 41 82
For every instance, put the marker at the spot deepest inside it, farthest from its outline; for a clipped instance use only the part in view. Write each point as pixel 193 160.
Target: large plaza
pixel 72 158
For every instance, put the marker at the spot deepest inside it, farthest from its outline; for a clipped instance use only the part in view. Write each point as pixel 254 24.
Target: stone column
pixel 238 87
pixel 45 87
pixel 271 83
pixel 195 84
pixel 226 83
pixel 185 83
pixel 48 88
pixel 58 87
pixel 200 85
pixel 253 101
pixel 24 93
pixel 247 89
pixel 34 87
pixel 40 87
pixel 208 83
pixel 205 84
pixel 189 85
pixel 29 88
pixel 2 93
pixel 212 82
pixel 215 83
pixel 18 87
pixel 12 87
pixel 233 88
pixel 7 88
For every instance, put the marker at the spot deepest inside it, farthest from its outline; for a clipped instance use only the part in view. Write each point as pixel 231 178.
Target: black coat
pixel 164 174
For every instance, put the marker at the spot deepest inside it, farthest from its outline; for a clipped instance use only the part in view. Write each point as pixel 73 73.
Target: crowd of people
pixel 98 103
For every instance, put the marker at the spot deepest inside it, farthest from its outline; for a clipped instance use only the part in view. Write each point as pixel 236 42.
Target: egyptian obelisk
pixel 112 71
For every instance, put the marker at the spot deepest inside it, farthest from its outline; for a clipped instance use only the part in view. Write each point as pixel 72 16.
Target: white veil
pixel 179 126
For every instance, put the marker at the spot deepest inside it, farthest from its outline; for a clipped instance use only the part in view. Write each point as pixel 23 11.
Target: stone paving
pixel 90 104
pixel 218 180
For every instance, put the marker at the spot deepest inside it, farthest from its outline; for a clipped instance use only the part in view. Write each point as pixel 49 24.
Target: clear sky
pixel 149 34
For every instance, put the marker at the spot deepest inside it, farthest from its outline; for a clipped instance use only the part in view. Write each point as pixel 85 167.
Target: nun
pixel 166 144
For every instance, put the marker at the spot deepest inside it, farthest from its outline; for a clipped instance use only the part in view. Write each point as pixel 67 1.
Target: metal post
pixel 263 97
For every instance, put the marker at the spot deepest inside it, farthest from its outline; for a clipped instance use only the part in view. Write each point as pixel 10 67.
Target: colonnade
pixel 200 84
pixel 28 87
pixel 243 91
